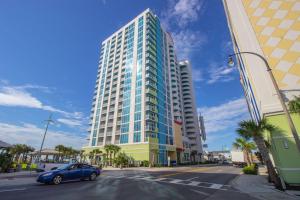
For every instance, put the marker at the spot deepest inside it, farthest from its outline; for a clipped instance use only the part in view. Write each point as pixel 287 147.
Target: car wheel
pixel 93 176
pixel 57 180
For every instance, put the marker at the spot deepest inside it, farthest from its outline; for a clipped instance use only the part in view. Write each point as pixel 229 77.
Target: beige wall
pixel 272 29
pixel 178 136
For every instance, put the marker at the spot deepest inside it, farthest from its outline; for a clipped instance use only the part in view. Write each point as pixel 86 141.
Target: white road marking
pixel 146 178
pixel 194 183
pixel 199 192
pixel 12 190
pixel 216 186
pixel 192 178
pixel 175 181
pixel 119 176
pixel 159 179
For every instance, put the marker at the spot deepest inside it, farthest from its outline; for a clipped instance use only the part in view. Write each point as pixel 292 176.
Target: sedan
pixel 69 172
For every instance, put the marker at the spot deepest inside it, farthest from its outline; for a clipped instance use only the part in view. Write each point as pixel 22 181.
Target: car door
pixel 74 172
pixel 86 170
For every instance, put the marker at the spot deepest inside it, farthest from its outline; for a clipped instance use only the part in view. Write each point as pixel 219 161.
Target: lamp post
pixel 285 110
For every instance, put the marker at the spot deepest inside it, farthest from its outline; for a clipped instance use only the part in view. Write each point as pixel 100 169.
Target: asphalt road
pixel 209 183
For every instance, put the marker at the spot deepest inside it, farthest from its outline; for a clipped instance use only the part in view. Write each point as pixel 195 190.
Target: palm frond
pixel 294 105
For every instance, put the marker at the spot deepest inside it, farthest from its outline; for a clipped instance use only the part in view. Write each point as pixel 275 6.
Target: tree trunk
pixel 246 155
pixel 266 158
pixel 17 158
pixel 250 157
pixel 110 159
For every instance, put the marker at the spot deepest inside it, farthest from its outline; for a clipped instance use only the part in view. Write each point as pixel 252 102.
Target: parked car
pixel 69 172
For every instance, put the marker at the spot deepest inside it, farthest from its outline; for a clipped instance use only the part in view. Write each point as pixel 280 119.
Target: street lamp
pixel 40 151
pixel 280 97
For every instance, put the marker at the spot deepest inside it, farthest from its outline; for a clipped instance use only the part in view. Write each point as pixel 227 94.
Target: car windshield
pixel 64 167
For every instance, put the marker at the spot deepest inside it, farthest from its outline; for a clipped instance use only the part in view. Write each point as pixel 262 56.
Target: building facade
pixel 184 108
pixel 132 105
pixel 271 29
pixel 191 124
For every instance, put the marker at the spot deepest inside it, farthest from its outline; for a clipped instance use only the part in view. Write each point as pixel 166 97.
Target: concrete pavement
pixel 258 187
pixel 208 183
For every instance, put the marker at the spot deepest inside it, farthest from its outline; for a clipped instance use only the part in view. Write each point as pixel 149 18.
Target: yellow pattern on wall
pixel 277 27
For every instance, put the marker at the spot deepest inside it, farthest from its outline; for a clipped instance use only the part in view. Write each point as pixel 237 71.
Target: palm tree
pixel 16 151
pixel 60 148
pixel 116 149
pixel 109 149
pixel 251 129
pixel 294 105
pixel 96 153
pixel 91 156
pixel 82 155
pixel 26 149
pixel 246 147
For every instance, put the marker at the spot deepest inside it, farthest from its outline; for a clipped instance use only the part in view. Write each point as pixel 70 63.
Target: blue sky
pixel 50 49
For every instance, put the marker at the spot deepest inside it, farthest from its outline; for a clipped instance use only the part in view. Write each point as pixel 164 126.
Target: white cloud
pixel 187 11
pixel 220 73
pixel 197 75
pixel 70 122
pixel 10 96
pixel 224 116
pixel 177 17
pixel 187 41
pixel 32 135
pixel 19 96
pixel 181 12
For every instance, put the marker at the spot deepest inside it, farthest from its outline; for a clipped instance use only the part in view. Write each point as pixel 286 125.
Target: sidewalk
pixel 18 174
pixel 259 187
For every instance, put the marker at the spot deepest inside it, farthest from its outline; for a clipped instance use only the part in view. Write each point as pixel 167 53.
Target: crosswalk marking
pixel 177 181
pixel 192 178
pixel 216 186
pixel 119 176
pixel 159 179
pixel 194 183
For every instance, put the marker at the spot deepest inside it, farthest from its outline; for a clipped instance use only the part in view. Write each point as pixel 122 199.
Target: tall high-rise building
pixel 132 105
pixel 184 108
pixel 191 124
pixel 271 29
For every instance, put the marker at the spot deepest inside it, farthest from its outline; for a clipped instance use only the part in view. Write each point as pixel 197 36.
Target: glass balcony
pixel 108 133
pixel 151 70
pixel 152 100
pixel 152 118
pixel 151 91
pixel 151 129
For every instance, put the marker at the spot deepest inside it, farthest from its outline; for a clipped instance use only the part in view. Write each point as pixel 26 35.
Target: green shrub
pixel 5 162
pixel 145 163
pixel 121 160
pixel 252 169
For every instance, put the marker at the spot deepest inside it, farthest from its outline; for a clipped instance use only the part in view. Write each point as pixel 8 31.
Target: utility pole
pixel 49 120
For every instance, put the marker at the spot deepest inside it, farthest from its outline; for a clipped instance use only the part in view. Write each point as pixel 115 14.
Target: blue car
pixel 69 172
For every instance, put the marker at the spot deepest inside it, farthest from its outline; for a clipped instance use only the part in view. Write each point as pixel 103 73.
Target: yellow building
pixel 272 29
